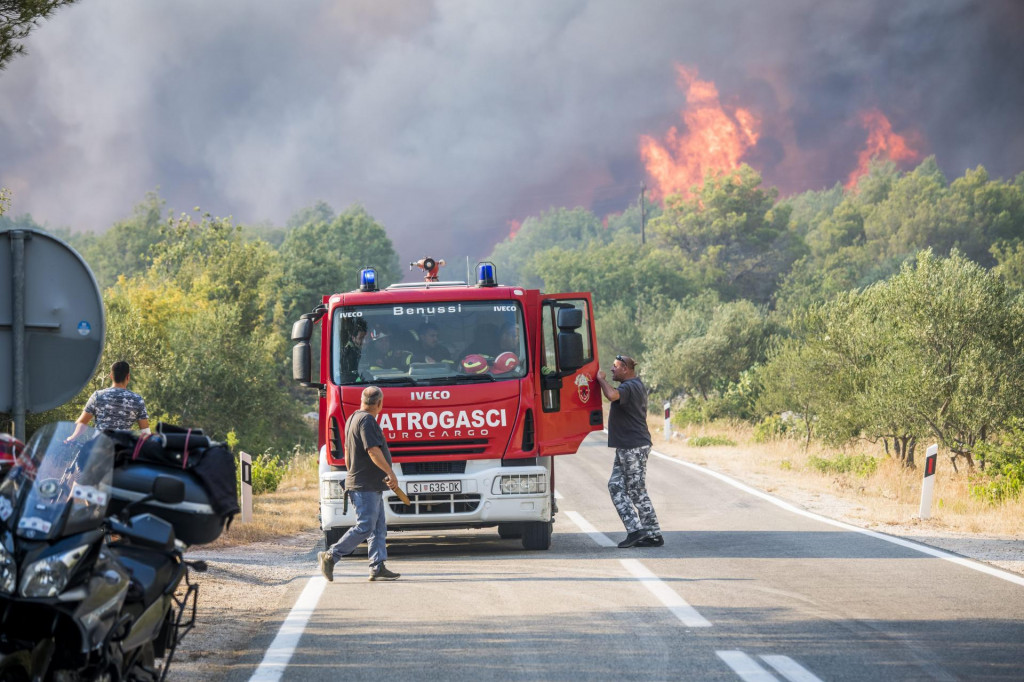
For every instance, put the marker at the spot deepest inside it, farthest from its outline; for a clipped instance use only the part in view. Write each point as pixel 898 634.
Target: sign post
pixel 246 471
pixel 928 485
pixel 668 421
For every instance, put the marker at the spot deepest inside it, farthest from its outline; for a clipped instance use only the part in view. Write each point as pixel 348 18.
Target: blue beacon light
pixel 367 279
pixel 485 275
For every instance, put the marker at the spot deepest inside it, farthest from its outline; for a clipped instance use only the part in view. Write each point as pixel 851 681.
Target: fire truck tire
pixel 537 535
pixel 510 531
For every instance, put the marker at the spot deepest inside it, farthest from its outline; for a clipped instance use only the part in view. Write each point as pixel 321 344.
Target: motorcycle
pixel 93 585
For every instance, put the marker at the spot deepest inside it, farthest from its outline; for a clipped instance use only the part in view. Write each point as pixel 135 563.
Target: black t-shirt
pixel 627 416
pixel 362 432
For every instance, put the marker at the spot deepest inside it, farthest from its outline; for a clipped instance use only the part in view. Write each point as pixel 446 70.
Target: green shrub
pixel 772 427
pixel 708 441
pixel 267 472
pixel 1000 485
pixel 860 465
pixel 1002 465
pixel 735 402
pixel 692 411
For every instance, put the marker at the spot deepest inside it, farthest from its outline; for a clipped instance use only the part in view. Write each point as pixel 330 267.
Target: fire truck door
pixel 570 399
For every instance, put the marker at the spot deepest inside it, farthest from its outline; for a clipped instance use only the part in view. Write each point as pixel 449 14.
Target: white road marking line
pixel 665 594
pixel 790 669
pixel 595 535
pixel 746 667
pixel 924 549
pixel 281 649
pixel 686 614
pixel 558 495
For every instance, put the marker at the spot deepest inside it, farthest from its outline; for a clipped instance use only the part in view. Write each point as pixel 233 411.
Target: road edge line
pixel 909 544
pixel 280 651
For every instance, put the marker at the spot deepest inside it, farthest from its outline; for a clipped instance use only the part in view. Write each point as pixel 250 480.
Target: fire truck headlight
pixel 332 489
pixel 519 484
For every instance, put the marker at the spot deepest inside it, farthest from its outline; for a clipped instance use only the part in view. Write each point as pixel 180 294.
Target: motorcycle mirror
pixel 168 490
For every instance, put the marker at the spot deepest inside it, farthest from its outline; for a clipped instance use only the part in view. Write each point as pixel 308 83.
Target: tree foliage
pixel 703 347
pixel 516 256
pixel 18 18
pixel 936 350
pixel 322 253
pixel 734 233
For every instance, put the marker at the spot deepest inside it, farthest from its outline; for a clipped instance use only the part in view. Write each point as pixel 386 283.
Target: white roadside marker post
pixel 246 472
pixel 928 484
pixel 668 421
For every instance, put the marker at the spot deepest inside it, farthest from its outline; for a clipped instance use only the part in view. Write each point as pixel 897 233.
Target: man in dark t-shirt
pixel 368 462
pixel 628 434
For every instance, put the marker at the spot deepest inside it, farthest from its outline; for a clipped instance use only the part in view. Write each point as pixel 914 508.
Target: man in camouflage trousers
pixel 629 435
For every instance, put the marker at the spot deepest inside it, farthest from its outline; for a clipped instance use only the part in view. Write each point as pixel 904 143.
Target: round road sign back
pixel 63 319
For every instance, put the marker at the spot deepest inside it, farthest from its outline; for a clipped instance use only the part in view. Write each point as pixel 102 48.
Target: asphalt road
pixel 742 590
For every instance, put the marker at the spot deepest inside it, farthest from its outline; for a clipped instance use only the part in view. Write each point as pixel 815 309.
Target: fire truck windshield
pixel 436 343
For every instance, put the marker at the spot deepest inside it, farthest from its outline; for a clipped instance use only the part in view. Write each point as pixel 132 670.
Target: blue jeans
pixel 370 523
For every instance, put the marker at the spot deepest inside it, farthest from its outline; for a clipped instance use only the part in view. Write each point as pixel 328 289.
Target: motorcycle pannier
pixel 194 520
pixel 205 467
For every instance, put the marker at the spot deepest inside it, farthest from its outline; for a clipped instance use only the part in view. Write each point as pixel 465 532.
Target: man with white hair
pixel 368 462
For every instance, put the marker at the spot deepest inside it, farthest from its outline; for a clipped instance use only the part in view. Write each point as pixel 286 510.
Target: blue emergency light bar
pixel 367 279
pixel 485 275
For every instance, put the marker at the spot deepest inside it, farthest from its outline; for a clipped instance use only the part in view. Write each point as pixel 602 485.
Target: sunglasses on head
pixel 626 362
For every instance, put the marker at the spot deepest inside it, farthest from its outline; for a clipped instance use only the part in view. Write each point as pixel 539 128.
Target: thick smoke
pixel 448 120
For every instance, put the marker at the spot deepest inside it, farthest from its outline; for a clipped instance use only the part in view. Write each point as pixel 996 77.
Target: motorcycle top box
pixel 194 520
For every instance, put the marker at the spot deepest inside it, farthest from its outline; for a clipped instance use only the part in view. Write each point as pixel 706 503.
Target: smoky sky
pixel 447 120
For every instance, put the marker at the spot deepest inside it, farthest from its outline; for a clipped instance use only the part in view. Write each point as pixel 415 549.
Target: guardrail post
pixel 928 484
pixel 668 421
pixel 246 472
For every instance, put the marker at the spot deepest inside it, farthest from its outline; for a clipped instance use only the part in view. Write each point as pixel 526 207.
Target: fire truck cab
pixel 483 384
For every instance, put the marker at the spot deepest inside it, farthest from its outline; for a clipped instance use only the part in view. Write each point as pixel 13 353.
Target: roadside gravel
pixel 243 592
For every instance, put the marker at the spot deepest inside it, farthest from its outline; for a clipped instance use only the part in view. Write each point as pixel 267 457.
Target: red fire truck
pixel 483 383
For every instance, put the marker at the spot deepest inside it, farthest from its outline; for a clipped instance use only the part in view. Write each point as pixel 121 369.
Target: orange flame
pixel 882 143
pixel 513 228
pixel 715 139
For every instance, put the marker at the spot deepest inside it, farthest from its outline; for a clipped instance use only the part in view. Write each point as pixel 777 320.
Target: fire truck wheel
pixel 510 531
pixel 537 535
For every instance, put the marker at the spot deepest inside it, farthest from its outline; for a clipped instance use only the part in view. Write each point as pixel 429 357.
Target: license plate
pixel 419 487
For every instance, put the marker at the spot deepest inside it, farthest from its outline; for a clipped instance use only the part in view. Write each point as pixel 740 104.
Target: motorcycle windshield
pixel 58 487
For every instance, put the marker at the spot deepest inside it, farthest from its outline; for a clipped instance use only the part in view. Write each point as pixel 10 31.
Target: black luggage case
pixel 194 520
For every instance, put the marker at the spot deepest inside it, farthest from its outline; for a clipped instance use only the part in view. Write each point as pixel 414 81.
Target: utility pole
pixel 643 214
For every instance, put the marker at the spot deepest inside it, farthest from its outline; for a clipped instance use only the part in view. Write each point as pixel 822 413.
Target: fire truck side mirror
pixel 301 362
pixel 302 330
pixel 569 319
pixel 570 351
pixel 570 342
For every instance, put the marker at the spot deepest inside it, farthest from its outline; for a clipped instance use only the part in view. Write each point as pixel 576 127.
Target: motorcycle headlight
pixel 8 572
pixel 48 577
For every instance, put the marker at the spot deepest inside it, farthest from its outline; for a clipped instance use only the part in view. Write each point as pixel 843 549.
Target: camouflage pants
pixel 628 488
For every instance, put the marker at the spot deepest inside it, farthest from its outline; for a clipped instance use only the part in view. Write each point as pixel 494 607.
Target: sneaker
pixel 632 539
pixel 380 572
pixel 651 541
pixel 326 562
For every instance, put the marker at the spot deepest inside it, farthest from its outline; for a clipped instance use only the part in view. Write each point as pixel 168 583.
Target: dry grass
pixel 891 496
pixel 292 509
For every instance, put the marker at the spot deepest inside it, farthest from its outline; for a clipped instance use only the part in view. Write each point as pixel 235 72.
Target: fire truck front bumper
pixel 484 495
